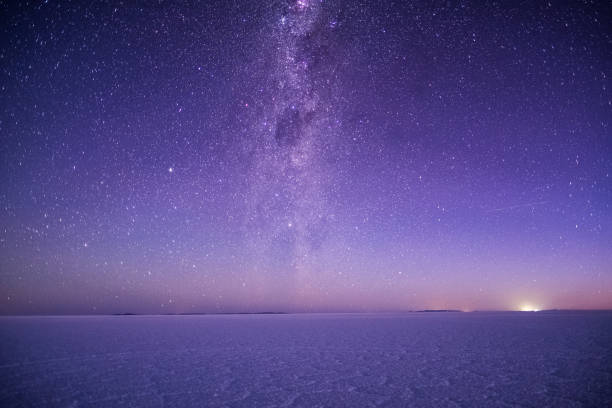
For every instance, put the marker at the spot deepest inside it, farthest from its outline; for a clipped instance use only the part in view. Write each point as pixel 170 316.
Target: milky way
pixel 304 156
pixel 289 212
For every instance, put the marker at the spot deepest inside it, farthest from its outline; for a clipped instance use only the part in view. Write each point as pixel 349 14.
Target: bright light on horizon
pixel 529 308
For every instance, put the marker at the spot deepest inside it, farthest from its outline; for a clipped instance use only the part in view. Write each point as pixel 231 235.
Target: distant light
pixel 170 169
pixel 529 308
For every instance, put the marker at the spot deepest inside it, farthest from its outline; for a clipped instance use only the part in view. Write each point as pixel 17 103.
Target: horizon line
pixel 119 314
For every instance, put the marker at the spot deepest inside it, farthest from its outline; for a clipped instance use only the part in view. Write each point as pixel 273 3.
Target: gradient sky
pixel 185 156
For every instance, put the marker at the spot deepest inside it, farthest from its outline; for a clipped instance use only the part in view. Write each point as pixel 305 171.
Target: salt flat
pixel 560 359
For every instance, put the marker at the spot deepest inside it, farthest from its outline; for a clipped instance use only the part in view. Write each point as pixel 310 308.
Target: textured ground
pixel 419 359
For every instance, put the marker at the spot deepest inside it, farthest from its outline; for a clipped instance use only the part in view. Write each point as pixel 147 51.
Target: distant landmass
pixel 200 313
pixel 269 313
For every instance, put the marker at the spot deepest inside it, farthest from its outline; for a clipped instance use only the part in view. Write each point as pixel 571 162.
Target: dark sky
pixel 183 156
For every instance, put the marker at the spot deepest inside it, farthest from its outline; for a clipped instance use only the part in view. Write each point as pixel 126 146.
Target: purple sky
pixel 305 156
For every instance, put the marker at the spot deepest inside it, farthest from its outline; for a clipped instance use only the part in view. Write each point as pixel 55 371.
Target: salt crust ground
pixel 559 359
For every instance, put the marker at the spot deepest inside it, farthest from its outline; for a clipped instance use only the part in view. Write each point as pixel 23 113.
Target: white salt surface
pixel 360 360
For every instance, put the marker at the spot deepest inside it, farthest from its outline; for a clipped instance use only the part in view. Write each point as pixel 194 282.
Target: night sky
pixel 230 156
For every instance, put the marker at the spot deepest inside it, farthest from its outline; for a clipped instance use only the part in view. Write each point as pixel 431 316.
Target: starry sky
pixel 304 155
